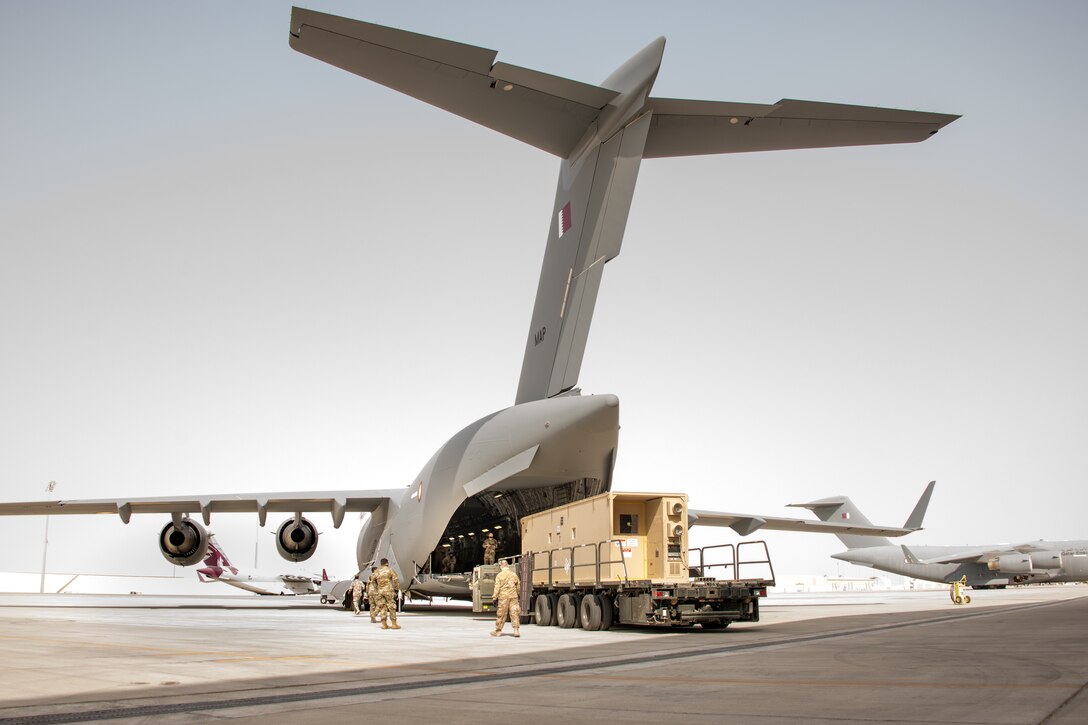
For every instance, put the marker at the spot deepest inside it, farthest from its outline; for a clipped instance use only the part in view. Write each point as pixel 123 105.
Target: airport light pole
pixel 45 543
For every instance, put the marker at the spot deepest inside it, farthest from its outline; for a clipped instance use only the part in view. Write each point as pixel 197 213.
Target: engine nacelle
pixel 185 544
pixel 1010 564
pixel 296 542
pixel 1046 559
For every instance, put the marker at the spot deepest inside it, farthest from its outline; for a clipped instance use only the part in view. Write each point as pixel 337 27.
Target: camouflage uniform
pixel 490 545
pixel 507 594
pixel 372 595
pixel 387 584
pixel 356 590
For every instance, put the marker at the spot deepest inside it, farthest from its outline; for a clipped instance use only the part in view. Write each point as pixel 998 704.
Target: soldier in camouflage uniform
pixel 388 584
pixel 356 590
pixel 507 595
pixel 490 546
pixel 372 594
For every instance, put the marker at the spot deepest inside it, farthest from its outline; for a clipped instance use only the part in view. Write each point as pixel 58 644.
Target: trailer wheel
pixel 553 604
pixel 576 600
pixel 324 599
pixel 606 611
pixel 589 611
pixel 714 624
pixel 566 613
pixel 542 608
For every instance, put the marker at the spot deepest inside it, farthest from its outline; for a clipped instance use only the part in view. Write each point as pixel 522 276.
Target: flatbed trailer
pixel 622 558
pixel 708 601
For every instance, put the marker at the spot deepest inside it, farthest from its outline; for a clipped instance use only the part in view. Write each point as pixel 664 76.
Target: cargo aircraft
pixel 990 566
pixel 554 444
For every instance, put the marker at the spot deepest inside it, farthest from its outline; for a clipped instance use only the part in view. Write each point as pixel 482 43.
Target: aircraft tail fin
pixel 914 521
pixel 589 216
pixel 215 557
pixel 842 510
pixel 602 132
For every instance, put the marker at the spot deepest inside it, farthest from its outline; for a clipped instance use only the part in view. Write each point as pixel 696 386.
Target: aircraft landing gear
pixel 958 596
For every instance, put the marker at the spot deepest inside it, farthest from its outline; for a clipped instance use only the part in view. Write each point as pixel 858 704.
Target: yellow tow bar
pixel 958 595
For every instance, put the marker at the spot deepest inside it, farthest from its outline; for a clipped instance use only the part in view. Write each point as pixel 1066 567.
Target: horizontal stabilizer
pixel 545 111
pixel 689 128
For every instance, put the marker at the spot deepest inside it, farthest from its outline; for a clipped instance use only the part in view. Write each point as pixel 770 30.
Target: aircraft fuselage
pixel 525 449
pixel 1051 561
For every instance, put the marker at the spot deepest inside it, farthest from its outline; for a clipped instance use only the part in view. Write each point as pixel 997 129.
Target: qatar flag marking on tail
pixel 564 219
pixel 845 515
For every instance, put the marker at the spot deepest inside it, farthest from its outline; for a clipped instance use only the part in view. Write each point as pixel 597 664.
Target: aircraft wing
pixel 335 502
pixel 545 111
pixel 246 586
pixel 981 555
pixel 687 128
pixel 745 524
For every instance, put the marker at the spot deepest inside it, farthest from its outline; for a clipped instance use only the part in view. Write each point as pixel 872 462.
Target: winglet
pixel 914 521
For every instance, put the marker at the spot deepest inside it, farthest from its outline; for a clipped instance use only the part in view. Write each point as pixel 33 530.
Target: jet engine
pixel 1010 564
pixel 1046 559
pixel 183 544
pixel 296 539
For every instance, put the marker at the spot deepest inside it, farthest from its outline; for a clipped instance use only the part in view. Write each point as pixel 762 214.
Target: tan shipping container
pixel 631 536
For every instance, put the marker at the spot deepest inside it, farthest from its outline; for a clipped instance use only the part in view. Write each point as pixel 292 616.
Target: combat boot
pixel 495 633
pixel 394 625
pixel 517 633
pixel 385 626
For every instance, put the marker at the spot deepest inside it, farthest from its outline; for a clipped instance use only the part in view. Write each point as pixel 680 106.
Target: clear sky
pixel 228 267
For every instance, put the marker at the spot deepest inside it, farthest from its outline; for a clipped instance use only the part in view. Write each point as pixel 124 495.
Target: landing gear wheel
pixel 966 599
pixel 567 612
pixel 542 608
pixel 589 612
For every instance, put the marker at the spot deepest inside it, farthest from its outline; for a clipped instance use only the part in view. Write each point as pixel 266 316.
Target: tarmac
pixel 1013 656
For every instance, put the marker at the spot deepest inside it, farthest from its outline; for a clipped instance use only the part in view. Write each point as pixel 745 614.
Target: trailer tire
pixel 542 609
pixel 566 612
pixel 576 599
pixel 324 599
pixel 553 600
pixel 589 612
pixel 714 624
pixel 606 611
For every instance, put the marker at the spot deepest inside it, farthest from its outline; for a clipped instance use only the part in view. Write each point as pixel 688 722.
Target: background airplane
pixel 217 568
pixel 554 445
pixel 987 566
